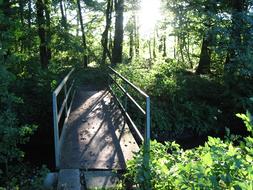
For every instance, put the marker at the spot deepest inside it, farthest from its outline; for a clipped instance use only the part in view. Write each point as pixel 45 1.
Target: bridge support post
pixel 66 105
pixel 146 157
pixel 147 135
pixel 125 99
pixel 56 132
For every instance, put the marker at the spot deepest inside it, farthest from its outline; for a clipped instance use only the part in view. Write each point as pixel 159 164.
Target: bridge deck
pixel 96 136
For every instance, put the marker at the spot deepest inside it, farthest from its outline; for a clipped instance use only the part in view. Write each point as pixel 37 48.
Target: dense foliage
pixel 219 164
pixel 187 104
pixel 195 63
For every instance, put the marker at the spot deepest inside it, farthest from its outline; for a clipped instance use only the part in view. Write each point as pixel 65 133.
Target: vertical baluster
pixel 125 99
pixel 147 145
pixel 56 131
pixel 65 98
pixel 147 135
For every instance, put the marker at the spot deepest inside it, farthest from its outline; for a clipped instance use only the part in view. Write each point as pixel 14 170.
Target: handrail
pixel 63 82
pixel 128 82
pixel 58 114
pixel 146 138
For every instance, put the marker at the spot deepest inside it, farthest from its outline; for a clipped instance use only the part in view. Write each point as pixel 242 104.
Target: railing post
pixel 65 95
pixel 147 120
pixel 108 78
pixel 125 100
pixel 56 131
pixel 147 146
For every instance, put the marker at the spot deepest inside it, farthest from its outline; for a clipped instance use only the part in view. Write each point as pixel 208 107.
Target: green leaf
pixel 207 159
pixel 249 158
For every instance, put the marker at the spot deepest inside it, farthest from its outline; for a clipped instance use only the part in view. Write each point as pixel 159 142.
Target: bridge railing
pixel 58 113
pixel 145 112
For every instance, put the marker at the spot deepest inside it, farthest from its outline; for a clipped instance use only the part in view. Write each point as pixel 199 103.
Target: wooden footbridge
pixel 93 133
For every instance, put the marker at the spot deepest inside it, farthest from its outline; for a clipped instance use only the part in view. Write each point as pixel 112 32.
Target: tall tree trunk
pixel 136 35
pixel 234 50
pixel 150 50
pixel 77 22
pixel 85 52
pixel 21 12
pixel 205 57
pixel 5 6
pixel 29 13
pixel 42 33
pixel 104 40
pixel 131 44
pixel 110 41
pixel 154 47
pixel 118 35
pixel 63 17
pixel 175 47
pixel 65 11
pixel 48 29
pixel 181 47
pixel 188 50
pixel 164 46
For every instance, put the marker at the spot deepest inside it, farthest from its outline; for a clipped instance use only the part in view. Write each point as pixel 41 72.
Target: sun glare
pixel 149 15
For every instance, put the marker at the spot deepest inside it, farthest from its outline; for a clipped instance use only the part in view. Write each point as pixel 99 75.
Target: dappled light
pixel 126 94
pixel 149 15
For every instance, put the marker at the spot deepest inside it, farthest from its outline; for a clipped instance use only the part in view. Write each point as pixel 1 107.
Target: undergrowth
pixel 184 104
pixel 219 164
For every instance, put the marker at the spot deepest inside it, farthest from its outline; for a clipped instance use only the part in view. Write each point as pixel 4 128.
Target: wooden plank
pixel 97 136
pixel 101 179
pixel 69 179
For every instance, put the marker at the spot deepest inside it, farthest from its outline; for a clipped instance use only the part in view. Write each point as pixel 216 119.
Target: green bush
pixel 181 101
pixel 218 164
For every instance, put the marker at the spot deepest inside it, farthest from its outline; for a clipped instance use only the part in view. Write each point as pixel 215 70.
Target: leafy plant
pixel 216 165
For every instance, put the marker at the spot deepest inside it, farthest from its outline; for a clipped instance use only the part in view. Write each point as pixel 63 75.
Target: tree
pixel 40 7
pixel 104 40
pixel 205 57
pixel 63 16
pixel 118 34
pixel 48 27
pixel 239 35
pixel 85 52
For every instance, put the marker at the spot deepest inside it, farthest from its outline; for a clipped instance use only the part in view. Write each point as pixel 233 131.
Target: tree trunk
pixel 65 11
pixel 85 52
pixel 48 29
pixel 136 35
pixel 21 12
pixel 29 13
pixel 188 50
pixel 174 47
pixel 110 41
pixel 154 47
pixel 118 35
pixel 63 17
pixel 205 57
pixel 42 33
pixel 181 47
pixel 236 35
pixel 131 44
pixel 77 22
pixel 104 40
pixel 150 50
pixel 164 46
pixel 5 7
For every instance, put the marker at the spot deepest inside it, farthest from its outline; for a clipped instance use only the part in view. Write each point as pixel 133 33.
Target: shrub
pixel 181 101
pixel 218 164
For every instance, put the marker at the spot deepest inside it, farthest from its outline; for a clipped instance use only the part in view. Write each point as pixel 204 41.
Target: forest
pixel 193 57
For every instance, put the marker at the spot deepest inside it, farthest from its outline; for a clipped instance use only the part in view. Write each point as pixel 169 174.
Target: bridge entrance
pixel 97 134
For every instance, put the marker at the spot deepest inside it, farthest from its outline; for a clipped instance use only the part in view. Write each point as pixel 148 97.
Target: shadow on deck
pixel 96 136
